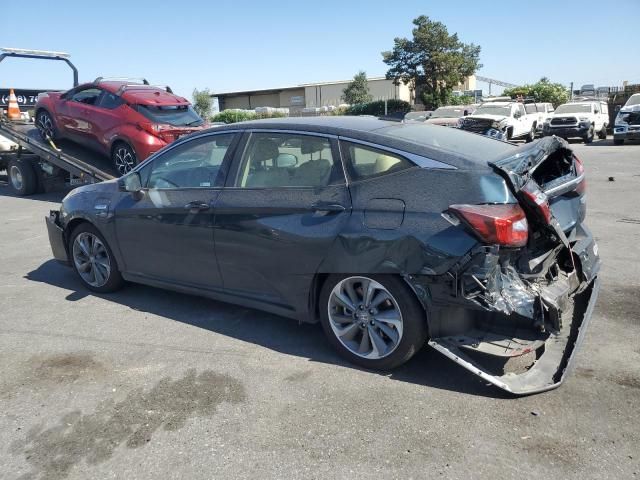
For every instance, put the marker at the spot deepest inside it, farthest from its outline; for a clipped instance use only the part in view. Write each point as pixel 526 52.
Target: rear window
pixel 466 144
pixel 176 115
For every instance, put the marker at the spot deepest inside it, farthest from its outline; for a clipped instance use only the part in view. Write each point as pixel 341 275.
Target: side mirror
pixel 465 113
pixel 517 115
pixel 130 183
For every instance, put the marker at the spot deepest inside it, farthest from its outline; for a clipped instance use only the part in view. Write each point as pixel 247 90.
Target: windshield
pixel 503 110
pixel 633 100
pixel 448 112
pixel 176 115
pixel 573 108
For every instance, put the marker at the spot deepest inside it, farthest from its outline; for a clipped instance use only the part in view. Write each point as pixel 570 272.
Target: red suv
pixel 126 121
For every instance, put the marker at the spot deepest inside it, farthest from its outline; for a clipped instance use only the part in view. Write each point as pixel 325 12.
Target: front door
pixel 284 203
pixel 74 114
pixel 166 233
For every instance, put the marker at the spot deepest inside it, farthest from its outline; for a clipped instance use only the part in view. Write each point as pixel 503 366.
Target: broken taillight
pixel 582 186
pixel 538 199
pixel 503 224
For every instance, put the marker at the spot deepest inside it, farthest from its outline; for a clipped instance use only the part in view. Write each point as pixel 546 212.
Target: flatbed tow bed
pixel 34 164
pixel 38 165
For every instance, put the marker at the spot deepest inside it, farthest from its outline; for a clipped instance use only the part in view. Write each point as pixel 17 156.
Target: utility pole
pixel 571 94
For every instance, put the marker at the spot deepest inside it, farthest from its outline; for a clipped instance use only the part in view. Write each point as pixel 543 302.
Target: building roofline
pixel 288 87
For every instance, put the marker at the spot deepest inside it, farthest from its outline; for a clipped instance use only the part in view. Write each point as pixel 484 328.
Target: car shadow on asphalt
pixel 427 367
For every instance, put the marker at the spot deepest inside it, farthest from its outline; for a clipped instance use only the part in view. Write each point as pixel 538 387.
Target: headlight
pixel 622 119
pixel 583 119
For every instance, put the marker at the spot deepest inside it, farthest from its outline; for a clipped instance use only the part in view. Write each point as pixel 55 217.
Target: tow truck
pixel 34 164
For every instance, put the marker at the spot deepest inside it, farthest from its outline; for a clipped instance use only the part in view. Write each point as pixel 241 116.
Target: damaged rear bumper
pixel 551 367
pixel 518 332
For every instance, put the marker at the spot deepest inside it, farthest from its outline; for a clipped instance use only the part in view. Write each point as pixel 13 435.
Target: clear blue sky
pixel 245 44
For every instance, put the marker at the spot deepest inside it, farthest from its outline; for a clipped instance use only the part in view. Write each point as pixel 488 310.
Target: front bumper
pixel 631 132
pixel 56 237
pixel 566 132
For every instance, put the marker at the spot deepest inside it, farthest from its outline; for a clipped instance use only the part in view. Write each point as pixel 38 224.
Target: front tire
pixel 46 126
pixel 123 158
pixel 374 321
pixel 618 141
pixel 22 177
pixel 93 260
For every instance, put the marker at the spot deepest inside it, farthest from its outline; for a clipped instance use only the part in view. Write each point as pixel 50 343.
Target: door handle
pixel 326 208
pixel 197 206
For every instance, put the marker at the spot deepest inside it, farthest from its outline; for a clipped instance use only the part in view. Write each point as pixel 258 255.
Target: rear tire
pixel 22 177
pixel 532 135
pixel 123 157
pixel 93 260
pixel 380 331
pixel 590 135
pixel 602 134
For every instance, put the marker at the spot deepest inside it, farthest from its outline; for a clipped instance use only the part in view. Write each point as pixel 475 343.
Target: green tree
pixel 202 102
pixel 542 91
pixel 358 90
pixel 460 100
pixel 433 62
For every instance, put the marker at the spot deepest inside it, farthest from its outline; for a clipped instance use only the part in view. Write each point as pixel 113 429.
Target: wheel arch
pixel 320 279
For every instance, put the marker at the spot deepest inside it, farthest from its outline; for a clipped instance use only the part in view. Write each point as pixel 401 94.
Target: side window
pixel 88 96
pixel 109 101
pixel 287 160
pixel 366 162
pixel 530 108
pixel 194 164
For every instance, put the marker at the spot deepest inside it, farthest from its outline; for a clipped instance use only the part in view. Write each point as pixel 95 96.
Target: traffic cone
pixel 13 112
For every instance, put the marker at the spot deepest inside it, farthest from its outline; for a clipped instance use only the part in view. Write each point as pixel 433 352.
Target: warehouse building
pixel 313 95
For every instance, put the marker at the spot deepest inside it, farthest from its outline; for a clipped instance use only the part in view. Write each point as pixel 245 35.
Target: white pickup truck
pixel 581 119
pixel 503 119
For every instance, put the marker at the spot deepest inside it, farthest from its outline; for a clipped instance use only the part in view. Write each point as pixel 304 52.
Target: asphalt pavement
pixel 149 384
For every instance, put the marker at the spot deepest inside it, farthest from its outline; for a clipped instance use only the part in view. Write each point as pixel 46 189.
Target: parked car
pixel 507 119
pixel 541 111
pixel 588 90
pixel 450 116
pixel 418 116
pixel 125 121
pixel 387 233
pixel 579 119
pixel 627 126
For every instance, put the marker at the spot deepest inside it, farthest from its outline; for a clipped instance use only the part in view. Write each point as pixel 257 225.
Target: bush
pixel 233 116
pixel 377 108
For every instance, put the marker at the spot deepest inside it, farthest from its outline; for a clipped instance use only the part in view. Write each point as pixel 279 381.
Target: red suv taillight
pixel 495 224
pixel 157 130
pixel 582 186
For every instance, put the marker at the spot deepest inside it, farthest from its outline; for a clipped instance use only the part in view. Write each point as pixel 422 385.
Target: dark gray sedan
pixel 390 234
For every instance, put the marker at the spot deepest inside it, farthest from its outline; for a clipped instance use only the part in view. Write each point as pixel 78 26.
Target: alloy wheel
pixel 45 125
pixel 365 317
pixel 15 176
pixel 91 259
pixel 124 160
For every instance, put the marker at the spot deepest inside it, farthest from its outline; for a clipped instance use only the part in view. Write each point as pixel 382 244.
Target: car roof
pixel 138 93
pixel 377 131
pixel 500 104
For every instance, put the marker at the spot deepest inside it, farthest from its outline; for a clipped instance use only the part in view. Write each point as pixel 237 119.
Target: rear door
pixel 283 206
pixel 166 233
